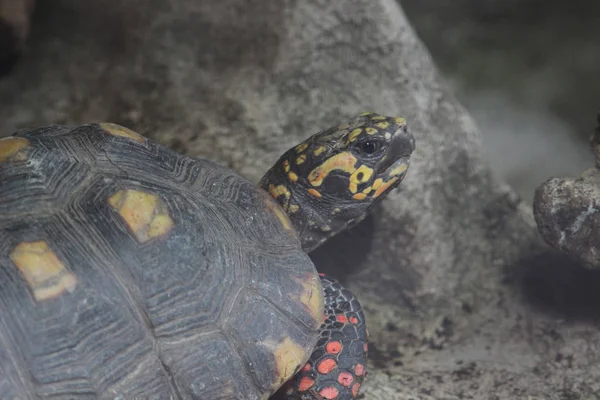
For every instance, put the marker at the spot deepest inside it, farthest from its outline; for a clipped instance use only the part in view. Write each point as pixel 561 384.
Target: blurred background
pixel 527 70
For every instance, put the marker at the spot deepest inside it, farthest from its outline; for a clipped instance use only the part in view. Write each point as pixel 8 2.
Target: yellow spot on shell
pixel 371 131
pixel 353 187
pixel 367 190
pixel 13 149
pixel 293 177
pixel 366 113
pixel 283 218
pixel 398 170
pixel 319 150
pixel 359 196
pixel 294 208
pixel 354 134
pixel 276 209
pixel 311 296
pixel 344 161
pixel 384 187
pixel 301 147
pixel 118 130
pixel 286 165
pixel 145 214
pixel 379 118
pixel 383 125
pixel 288 356
pixel 400 121
pixel 45 274
pixel 301 158
pixel 314 192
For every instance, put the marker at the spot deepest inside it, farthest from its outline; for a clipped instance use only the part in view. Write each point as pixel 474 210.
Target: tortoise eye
pixel 370 146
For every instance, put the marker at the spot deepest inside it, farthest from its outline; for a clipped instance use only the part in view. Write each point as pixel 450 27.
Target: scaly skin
pixel 327 184
pixel 337 366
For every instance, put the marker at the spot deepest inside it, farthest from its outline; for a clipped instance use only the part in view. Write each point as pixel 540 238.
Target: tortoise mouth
pixel 397 169
pixel 397 159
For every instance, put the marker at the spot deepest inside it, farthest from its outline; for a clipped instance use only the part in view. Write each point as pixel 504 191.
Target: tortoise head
pixel 329 182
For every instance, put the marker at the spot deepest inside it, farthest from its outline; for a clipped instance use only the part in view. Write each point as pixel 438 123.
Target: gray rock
pixel 462 300
pixel 567 212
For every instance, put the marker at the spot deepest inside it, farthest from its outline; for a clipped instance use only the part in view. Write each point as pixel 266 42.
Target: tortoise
pixel 130 271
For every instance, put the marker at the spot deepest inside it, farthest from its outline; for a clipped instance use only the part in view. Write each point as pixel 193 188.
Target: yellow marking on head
pixel 371 131
pixel 344 161
pixel 384 187
pixel 319 150
pixel 118 130
pixel 377 183
pixel 293 177
pixel 314 192
pixel 288 356
pixel 378 118
pixel 286 166
pixel 383 125
pixel 45 274
pixel 145 214
pixel 361 175
pixel 359 196
pixel 367 190
pixel 398 170
pixel 301 158
pixel 294 208
pixel 279 190
pixel 301 147
pixel 354 134
pixel 13 149
pixel 400 121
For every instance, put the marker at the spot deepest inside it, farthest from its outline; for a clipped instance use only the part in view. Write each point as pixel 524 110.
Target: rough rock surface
pixel 463 299
pixel 567 212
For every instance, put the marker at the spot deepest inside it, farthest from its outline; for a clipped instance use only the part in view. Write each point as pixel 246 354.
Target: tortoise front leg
pixel 337 366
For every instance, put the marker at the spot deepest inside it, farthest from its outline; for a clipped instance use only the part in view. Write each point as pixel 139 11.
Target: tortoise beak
pixel 397 159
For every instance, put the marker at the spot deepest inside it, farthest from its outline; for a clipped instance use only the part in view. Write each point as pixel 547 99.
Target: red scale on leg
pixel 336 368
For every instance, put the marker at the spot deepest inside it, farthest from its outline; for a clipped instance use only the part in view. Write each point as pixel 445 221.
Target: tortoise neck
pixel 307 212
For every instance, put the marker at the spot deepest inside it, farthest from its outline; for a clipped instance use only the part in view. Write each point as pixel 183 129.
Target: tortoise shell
pixel 131 271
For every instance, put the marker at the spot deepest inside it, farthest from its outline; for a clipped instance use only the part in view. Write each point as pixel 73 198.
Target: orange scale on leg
pixel 305 383
pixel 359 370
pixel 345 379
pixel 329 393
pixel 326 366
pixel 333 347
